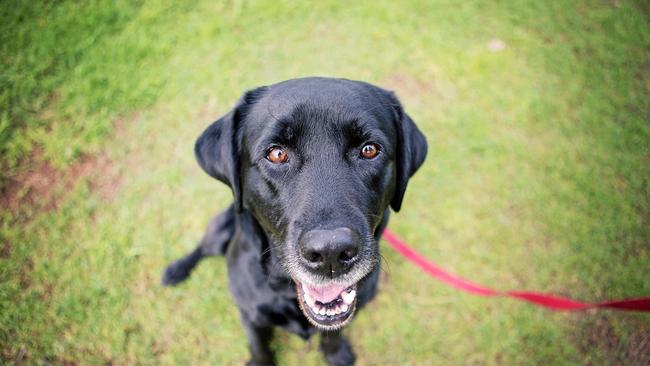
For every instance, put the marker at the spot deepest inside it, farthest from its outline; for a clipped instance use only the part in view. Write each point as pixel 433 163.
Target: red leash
pixel 548 301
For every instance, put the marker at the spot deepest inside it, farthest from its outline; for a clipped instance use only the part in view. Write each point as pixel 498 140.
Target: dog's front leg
pixel 337 349
pixel 259 343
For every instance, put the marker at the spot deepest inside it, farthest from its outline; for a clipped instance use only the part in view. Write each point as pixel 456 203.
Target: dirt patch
pixel 5 249
pixel 414 88
pixel 42 187
pixel 31 187
pixel 600 342
pixel 407 86
pixel 67 362
pixel 105 181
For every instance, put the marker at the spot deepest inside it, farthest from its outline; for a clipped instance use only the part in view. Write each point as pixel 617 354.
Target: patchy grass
pixel 537 175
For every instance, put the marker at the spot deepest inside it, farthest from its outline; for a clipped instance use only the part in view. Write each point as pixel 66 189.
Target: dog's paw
pixel 342 356
pixel 175 273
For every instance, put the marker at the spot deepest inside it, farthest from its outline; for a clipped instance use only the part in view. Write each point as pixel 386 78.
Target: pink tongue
pixel 324 294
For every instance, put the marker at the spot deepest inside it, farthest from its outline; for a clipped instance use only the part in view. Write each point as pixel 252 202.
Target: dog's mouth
pixel 328 307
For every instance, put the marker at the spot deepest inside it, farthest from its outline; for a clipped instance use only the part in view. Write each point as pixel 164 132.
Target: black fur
pixel 324 187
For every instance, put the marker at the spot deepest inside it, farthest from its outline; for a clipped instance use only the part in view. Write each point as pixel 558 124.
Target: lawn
pixel 538 174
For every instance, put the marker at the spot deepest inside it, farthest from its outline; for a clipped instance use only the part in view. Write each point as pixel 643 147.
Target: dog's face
pixel 317 162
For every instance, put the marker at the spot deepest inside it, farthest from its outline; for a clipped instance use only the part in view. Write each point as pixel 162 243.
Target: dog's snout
pixel 329 251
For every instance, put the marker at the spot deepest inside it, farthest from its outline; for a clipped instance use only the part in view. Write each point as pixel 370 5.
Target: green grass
pixel 538 174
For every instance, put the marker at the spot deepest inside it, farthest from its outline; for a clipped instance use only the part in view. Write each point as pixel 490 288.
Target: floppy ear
pixel 217 150
pixel 411 151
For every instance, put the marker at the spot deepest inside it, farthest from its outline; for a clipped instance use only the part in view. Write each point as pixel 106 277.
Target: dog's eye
pixel 277 155
pixel 369 151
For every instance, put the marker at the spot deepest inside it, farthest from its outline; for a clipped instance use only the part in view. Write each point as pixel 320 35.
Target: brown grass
pixel 41 186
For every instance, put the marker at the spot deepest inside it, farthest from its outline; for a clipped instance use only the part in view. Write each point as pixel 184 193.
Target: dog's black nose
pixel 329 251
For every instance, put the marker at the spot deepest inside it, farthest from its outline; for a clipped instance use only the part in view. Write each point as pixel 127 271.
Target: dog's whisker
pixel 385 264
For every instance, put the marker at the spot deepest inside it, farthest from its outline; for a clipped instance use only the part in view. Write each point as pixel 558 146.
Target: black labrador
pixel 314 165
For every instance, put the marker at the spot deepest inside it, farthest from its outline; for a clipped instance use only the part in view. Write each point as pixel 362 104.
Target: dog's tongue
pixel 324 294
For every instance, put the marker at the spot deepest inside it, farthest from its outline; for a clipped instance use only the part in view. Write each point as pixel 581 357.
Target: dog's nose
pixel 329 251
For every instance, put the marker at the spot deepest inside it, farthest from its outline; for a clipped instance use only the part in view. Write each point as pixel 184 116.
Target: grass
pixel 537 175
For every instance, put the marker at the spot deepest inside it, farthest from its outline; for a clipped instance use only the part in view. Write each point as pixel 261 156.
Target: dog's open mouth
pixel 327 307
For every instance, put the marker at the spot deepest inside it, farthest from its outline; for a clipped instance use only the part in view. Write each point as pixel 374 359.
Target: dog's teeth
pixel 322 311
pixel 329 312
pixel 337 310
pixel 344 308
pixel 348 297
pixel 309 300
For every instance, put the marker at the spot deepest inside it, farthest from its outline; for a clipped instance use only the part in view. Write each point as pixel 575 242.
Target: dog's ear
pixel 217 150
pixel 411 151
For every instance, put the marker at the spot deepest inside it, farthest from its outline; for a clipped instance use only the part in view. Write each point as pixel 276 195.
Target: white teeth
pixel 309 300
pixel 334 308
pixel 323 310
pixel 348 297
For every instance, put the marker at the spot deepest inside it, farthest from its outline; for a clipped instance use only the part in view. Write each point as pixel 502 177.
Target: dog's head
pixel 317 162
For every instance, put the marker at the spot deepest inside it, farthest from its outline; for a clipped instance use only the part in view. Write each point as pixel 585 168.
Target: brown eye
pixel 369 151
pixel 277 155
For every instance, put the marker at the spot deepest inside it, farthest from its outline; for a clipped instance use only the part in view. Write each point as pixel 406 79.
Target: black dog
pixel 314 165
